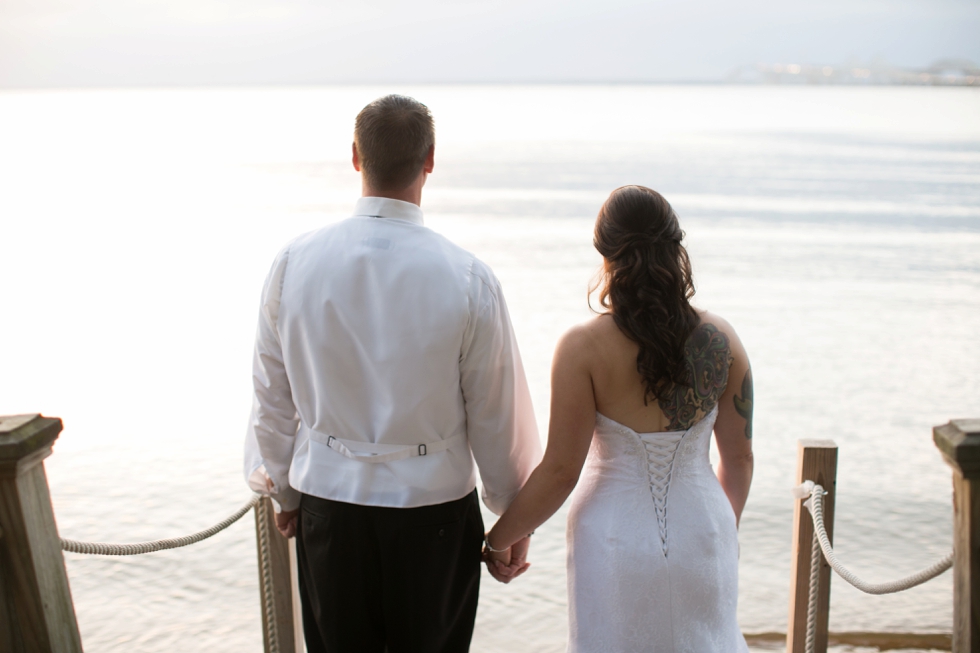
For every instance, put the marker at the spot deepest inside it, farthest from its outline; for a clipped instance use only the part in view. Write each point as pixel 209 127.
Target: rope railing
pixel 265 563
pixel 139 548
pixel 265 568
pixel 814 493
pixel 811 606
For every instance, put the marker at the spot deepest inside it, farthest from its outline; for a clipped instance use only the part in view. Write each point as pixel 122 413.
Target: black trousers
pixel 401 580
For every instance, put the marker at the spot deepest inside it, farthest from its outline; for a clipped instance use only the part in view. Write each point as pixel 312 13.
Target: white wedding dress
pixel 652 546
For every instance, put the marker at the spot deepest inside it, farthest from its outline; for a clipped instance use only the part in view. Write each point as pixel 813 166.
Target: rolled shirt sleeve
pixel 500 423
pixel 273 423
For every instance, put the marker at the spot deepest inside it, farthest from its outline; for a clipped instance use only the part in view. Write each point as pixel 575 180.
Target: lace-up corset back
pixel 655 459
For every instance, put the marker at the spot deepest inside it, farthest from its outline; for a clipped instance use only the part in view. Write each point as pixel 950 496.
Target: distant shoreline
pixel 941 73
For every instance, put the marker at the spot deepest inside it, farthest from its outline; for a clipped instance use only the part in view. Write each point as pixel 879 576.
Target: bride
pixel 636 393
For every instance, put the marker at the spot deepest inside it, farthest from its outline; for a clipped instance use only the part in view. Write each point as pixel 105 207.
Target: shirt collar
pixel 383 207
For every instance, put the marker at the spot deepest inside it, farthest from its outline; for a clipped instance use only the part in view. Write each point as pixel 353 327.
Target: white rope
pixel 811 606
pixel 99 548
pixel 815 505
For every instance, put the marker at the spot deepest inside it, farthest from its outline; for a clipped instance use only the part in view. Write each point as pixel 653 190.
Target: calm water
pixel 838 230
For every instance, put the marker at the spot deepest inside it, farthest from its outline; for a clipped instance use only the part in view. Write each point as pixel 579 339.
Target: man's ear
pixel 430 159
pixel 354 158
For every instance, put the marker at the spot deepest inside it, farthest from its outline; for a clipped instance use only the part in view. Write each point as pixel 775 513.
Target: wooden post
pixel 285 623
pixel 959 440
pixel 36 611
pixel 816 461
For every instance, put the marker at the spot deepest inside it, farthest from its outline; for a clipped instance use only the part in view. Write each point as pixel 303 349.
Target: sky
pixel 55 43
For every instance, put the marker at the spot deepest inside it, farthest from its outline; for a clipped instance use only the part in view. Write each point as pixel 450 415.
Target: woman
pixel 636 392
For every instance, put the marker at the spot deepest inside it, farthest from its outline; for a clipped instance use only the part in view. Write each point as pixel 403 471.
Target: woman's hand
pixel 497 558
pixel 507 565
pixel 497 563
pixel 494 557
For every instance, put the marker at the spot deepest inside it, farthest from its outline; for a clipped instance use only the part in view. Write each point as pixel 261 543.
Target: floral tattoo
pixel 708 355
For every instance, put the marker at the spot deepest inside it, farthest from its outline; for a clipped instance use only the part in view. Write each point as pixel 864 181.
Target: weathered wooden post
pixel 278 587
pixel 959 440
pixel 36 611
pixel 816 461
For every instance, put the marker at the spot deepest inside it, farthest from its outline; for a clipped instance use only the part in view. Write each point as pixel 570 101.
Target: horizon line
pixel 585 82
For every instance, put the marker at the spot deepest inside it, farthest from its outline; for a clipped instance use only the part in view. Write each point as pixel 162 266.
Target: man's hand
pixel 286 522
pixel 518 564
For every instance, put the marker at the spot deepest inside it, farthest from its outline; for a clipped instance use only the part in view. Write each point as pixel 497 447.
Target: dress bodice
pixel 639 495
pixel 620 454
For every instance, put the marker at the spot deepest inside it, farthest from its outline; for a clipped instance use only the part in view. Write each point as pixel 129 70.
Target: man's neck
pixel 412 194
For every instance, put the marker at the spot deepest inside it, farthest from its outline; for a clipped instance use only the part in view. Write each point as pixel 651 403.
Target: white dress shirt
pixel 385 362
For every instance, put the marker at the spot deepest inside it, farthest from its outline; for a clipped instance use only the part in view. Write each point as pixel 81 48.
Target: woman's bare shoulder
pixel 717 322
pixel 586 338
pixel 739 357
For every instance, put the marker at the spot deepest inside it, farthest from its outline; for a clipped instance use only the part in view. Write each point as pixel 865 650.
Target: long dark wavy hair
pixel 646 283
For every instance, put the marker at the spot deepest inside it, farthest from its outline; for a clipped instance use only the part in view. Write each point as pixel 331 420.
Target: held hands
pixel 286 522
pixel 510 563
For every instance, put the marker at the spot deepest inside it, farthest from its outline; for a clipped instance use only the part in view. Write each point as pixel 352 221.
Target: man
pixel 385 363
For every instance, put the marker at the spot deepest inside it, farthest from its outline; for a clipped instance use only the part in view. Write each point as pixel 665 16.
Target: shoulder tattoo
pixel 708 355
pixel 743 404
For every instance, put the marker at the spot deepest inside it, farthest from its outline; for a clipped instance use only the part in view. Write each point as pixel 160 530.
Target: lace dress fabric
pixel 652 546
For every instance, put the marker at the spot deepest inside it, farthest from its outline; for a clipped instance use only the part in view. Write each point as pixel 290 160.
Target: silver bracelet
pixel 486 543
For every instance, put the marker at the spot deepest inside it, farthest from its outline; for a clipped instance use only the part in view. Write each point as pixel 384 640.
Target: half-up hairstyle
pixel 646 283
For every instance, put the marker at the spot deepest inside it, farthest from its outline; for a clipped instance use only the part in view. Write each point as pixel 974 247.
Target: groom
pixel 385 366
